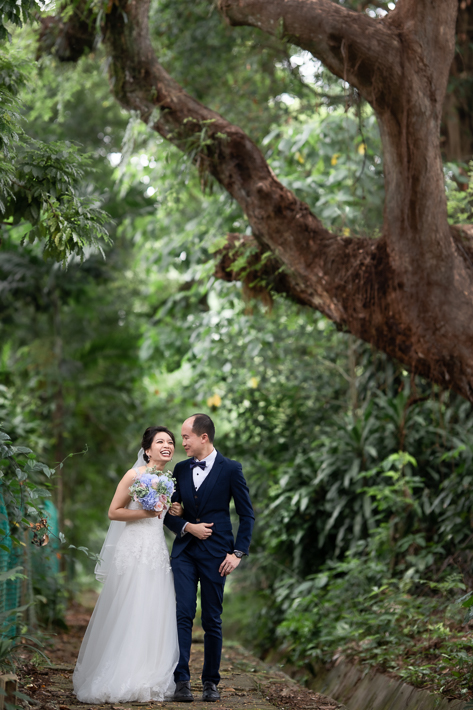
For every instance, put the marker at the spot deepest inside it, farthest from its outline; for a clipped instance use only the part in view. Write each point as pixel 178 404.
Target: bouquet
pixel 153 490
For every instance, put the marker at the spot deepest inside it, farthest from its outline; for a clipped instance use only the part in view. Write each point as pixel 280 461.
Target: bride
pixel 130 648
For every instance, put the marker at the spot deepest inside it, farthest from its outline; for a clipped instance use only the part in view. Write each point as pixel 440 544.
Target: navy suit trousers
pixel 194 565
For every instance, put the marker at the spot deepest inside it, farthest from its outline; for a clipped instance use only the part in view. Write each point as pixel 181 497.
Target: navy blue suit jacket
pixel 211 504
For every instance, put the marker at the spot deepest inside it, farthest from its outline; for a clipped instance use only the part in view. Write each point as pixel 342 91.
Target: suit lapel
pixel 211 480
pixel 187 486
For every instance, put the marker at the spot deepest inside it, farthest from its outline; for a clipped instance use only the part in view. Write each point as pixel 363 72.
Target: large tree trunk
pixel 409 292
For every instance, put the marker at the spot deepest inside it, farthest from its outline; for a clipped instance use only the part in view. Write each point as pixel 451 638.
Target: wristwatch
pixel 238 554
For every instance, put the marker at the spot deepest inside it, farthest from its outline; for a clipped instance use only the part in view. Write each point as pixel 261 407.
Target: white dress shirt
pixel 200 474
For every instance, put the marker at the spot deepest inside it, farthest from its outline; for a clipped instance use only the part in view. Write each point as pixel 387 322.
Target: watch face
pixel 237 553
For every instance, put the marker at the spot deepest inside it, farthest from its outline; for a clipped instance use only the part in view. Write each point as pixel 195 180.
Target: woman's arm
pixel 117 510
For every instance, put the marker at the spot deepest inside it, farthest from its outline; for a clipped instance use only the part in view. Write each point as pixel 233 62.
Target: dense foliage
pixel 25 518
pixel 40 182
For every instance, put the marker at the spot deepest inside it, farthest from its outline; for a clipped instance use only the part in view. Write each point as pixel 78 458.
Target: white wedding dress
pixel 130 648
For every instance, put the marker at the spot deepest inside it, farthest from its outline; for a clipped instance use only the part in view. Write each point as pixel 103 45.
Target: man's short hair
pixel 203 424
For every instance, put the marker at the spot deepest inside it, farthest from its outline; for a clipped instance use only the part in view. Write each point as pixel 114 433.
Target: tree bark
pixel 457 118
pixel 409 293
pixel 68 39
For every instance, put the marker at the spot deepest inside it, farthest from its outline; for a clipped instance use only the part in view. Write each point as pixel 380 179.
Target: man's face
pixel 193 444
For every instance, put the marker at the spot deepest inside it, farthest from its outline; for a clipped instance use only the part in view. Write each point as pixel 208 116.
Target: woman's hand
pixel 151 513
pixel 176 509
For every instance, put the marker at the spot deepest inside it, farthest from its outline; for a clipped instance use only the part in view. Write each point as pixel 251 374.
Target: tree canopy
pixel 404 287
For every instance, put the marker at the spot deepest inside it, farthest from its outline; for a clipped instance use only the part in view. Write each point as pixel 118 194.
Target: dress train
pixel 130 648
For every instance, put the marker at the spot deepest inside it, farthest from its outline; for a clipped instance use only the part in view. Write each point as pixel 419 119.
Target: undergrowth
pixel 392 602
pixel 409 629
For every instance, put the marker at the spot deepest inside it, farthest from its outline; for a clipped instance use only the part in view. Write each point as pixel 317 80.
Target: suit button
pixel 197 520
pixel 196 497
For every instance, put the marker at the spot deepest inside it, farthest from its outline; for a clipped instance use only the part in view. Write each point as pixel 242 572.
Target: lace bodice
pixel 142 541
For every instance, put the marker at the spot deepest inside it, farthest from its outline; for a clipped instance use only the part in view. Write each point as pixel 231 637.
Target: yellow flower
pixel 214 401
pixel 254 382
pixel 346 232
pixel 299 158
pixel 335 158
pixel 362 148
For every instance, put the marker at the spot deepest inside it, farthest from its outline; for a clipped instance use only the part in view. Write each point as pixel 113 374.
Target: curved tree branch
pixel 370 287
pixel 357 48
pixel 409 293
pixel 140 83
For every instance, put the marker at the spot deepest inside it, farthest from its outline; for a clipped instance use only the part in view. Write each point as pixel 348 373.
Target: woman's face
pixel 161 450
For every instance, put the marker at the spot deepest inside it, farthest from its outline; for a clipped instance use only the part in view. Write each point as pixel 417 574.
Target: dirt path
pixel 246 683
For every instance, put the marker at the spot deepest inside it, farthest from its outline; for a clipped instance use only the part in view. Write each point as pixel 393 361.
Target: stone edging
pixel 361 690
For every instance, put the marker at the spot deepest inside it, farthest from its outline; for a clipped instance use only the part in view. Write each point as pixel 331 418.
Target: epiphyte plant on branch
pixel 408 291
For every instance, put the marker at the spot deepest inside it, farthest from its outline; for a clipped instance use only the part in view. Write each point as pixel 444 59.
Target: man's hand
pixel 176 509
pixel 230 563
pixel 200 530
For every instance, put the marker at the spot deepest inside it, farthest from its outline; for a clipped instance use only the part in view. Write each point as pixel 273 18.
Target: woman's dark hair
pixel 203 424
pixel 149 435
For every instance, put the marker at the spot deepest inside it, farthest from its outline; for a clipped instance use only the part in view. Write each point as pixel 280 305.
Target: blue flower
pixel 148 496
pixel 149 501
pixel 168 485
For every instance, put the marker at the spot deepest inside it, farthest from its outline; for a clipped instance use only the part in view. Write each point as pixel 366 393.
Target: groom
pixel 204 550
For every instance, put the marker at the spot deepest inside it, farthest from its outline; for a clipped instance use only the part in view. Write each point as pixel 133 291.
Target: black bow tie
pixel 194 463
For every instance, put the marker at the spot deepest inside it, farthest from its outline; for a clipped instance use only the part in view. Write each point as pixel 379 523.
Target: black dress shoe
pixel 183 694
pixel 210 694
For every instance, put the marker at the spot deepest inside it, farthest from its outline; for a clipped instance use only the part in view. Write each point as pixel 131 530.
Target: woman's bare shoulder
pixel 130 475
